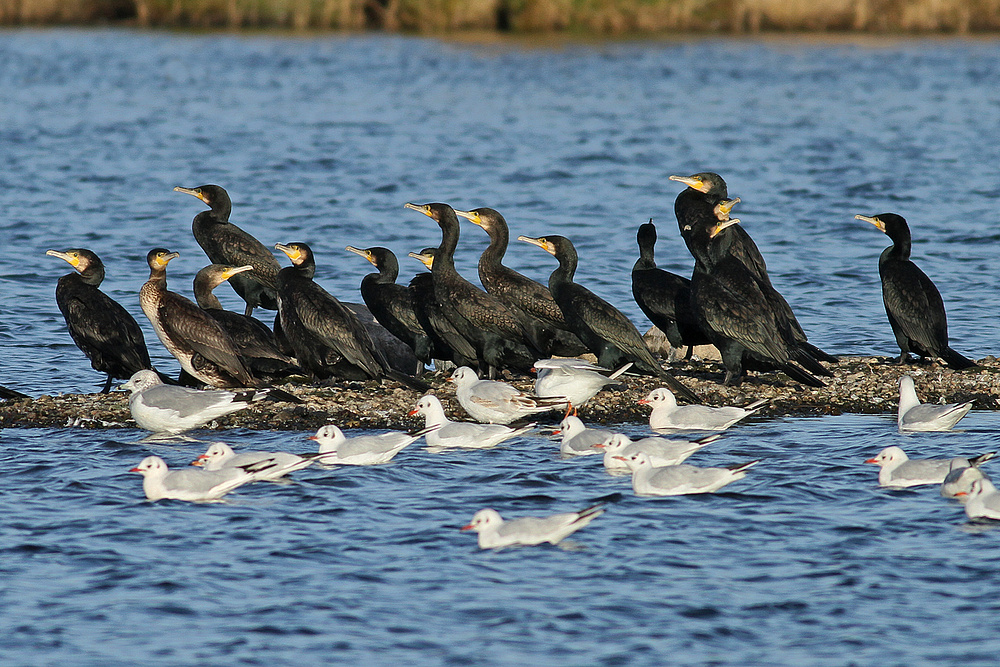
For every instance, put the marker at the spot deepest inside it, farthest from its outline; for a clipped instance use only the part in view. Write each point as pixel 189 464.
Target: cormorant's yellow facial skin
pixel 293 251
pixel 542 243
pixel 367 254
pixel 875 221
pixel 729 222
pixel 691 182
pixel 426 260
pixel 232 271
pixel 422 208
pixel 724 207
pixel 72 257
pixel 194 192
pixel 163 258
pixel 471 216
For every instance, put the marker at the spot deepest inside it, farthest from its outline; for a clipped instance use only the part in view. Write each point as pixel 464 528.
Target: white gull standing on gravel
pixel 575 380
pixel 668 416
pixel 916 416
pixel 363 450
pixel 982 500
pixel 493 402
pixel 661 451
pixel 900 471
pixel 680 479
pixel 494 532
pixel 165 408
pixel 220 455
pixel 159 482
pixel 578 439
pixel 460 434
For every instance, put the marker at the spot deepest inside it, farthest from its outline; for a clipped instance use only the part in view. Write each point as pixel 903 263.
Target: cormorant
pixel 500 338
pixel 99 325
pixel 734 240
pixel 529 299
pixel 225 243
pixel 912 302
pixel 447 343
pixel 393 305
pixel 605 331
pixel 256 343
pixel 663 296
pixel 203 348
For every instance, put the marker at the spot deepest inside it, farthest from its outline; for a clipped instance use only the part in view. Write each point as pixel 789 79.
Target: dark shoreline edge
pixel 861 385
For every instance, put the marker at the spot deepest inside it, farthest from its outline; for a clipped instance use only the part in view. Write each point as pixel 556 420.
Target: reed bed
pixel 599 17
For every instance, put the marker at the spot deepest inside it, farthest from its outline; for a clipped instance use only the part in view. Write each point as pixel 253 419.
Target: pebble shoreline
pixel 861 384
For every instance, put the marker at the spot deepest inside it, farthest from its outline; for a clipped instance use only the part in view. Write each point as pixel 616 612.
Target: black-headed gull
pixel 959 479
pixel 159 482
pixel 900 471
pixel 220 455
pixel 982 500
pixel 165 408
pixel 460 434
pixel 668 416
pixel 363 450
pixel 680 479
pixel 916 416
pixel 661 451
pixel 493 402
pixel 575 380
pixel 495 533
pixel 578 439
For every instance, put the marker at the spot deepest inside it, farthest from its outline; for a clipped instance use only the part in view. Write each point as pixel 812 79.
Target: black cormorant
pixel 912 302
pixel 603 328
pixel 256 343
pixel 447 343
pixel 663 296
pixel 99 325
pixel 391 304
pixel 528 298
pixel 203 348
pixel 225 243
pixel 499 336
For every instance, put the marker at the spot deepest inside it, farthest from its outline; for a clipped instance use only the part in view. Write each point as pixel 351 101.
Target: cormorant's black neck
pixel 444 259
pixel 646 239
pixel 901 243
pixel 203 294
pixel 499 239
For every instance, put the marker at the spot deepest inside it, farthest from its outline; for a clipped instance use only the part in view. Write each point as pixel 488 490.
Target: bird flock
pixel 514 325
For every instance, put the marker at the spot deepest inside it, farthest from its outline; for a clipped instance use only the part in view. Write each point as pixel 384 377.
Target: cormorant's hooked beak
pixel 724 207
pixel 691 182
pixel 541 242
pixel 426 260
pixel 364 253
pixel 231 271
pixel 294 254
pixel 729 222
pixel 194 192
pixel 471 216
pixel 422 208
pixel 875 221
pixel 163 260
pixel 74 260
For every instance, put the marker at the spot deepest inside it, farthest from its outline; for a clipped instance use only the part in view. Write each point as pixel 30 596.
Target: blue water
pixel 806 561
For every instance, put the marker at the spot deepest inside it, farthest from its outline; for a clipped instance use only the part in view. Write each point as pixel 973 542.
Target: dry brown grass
pixel 602 17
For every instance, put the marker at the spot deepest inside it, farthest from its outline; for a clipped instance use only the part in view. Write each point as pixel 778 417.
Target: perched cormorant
pixel 99 325
pixel 709 187
pixel 328 338
pixel 603 328
pixel 225 243
pixel 203 348
pixel 447 343
pixel 663 296
pixel 531 300
pixel 256 343
pixel 499 336
pixel 912 302
pixel 393 305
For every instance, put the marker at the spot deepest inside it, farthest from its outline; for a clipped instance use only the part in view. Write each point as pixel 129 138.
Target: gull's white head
pixel 890 456
pixel 329 438
pixel 463 376
pixel 151 466
pixel 140 380
pixel 659 397
pixel 614 443
pixel 636 461
pixel 217 451
pixel 484 519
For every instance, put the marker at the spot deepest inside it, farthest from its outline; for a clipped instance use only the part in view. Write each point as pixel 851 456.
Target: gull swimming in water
pixel 363 450
pixel 916 416
pixel 900 471
pixel 575 380
pixel 220 456
pixel 579 439
pixel 959 479
pixel 164 408
pixel 668 416
pixel 159 482
pixel 495 533
pixel 680 479
pixel 460 434
pixel 493 402
pixel 982 501
pixel 661 451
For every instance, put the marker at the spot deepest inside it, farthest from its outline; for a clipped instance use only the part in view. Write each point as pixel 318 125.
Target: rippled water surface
pixel 806 561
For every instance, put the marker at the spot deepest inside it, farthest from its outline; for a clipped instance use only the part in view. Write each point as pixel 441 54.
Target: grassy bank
pixel 600 17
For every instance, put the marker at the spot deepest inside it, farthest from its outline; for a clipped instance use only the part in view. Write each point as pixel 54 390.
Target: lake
pixel 323 139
